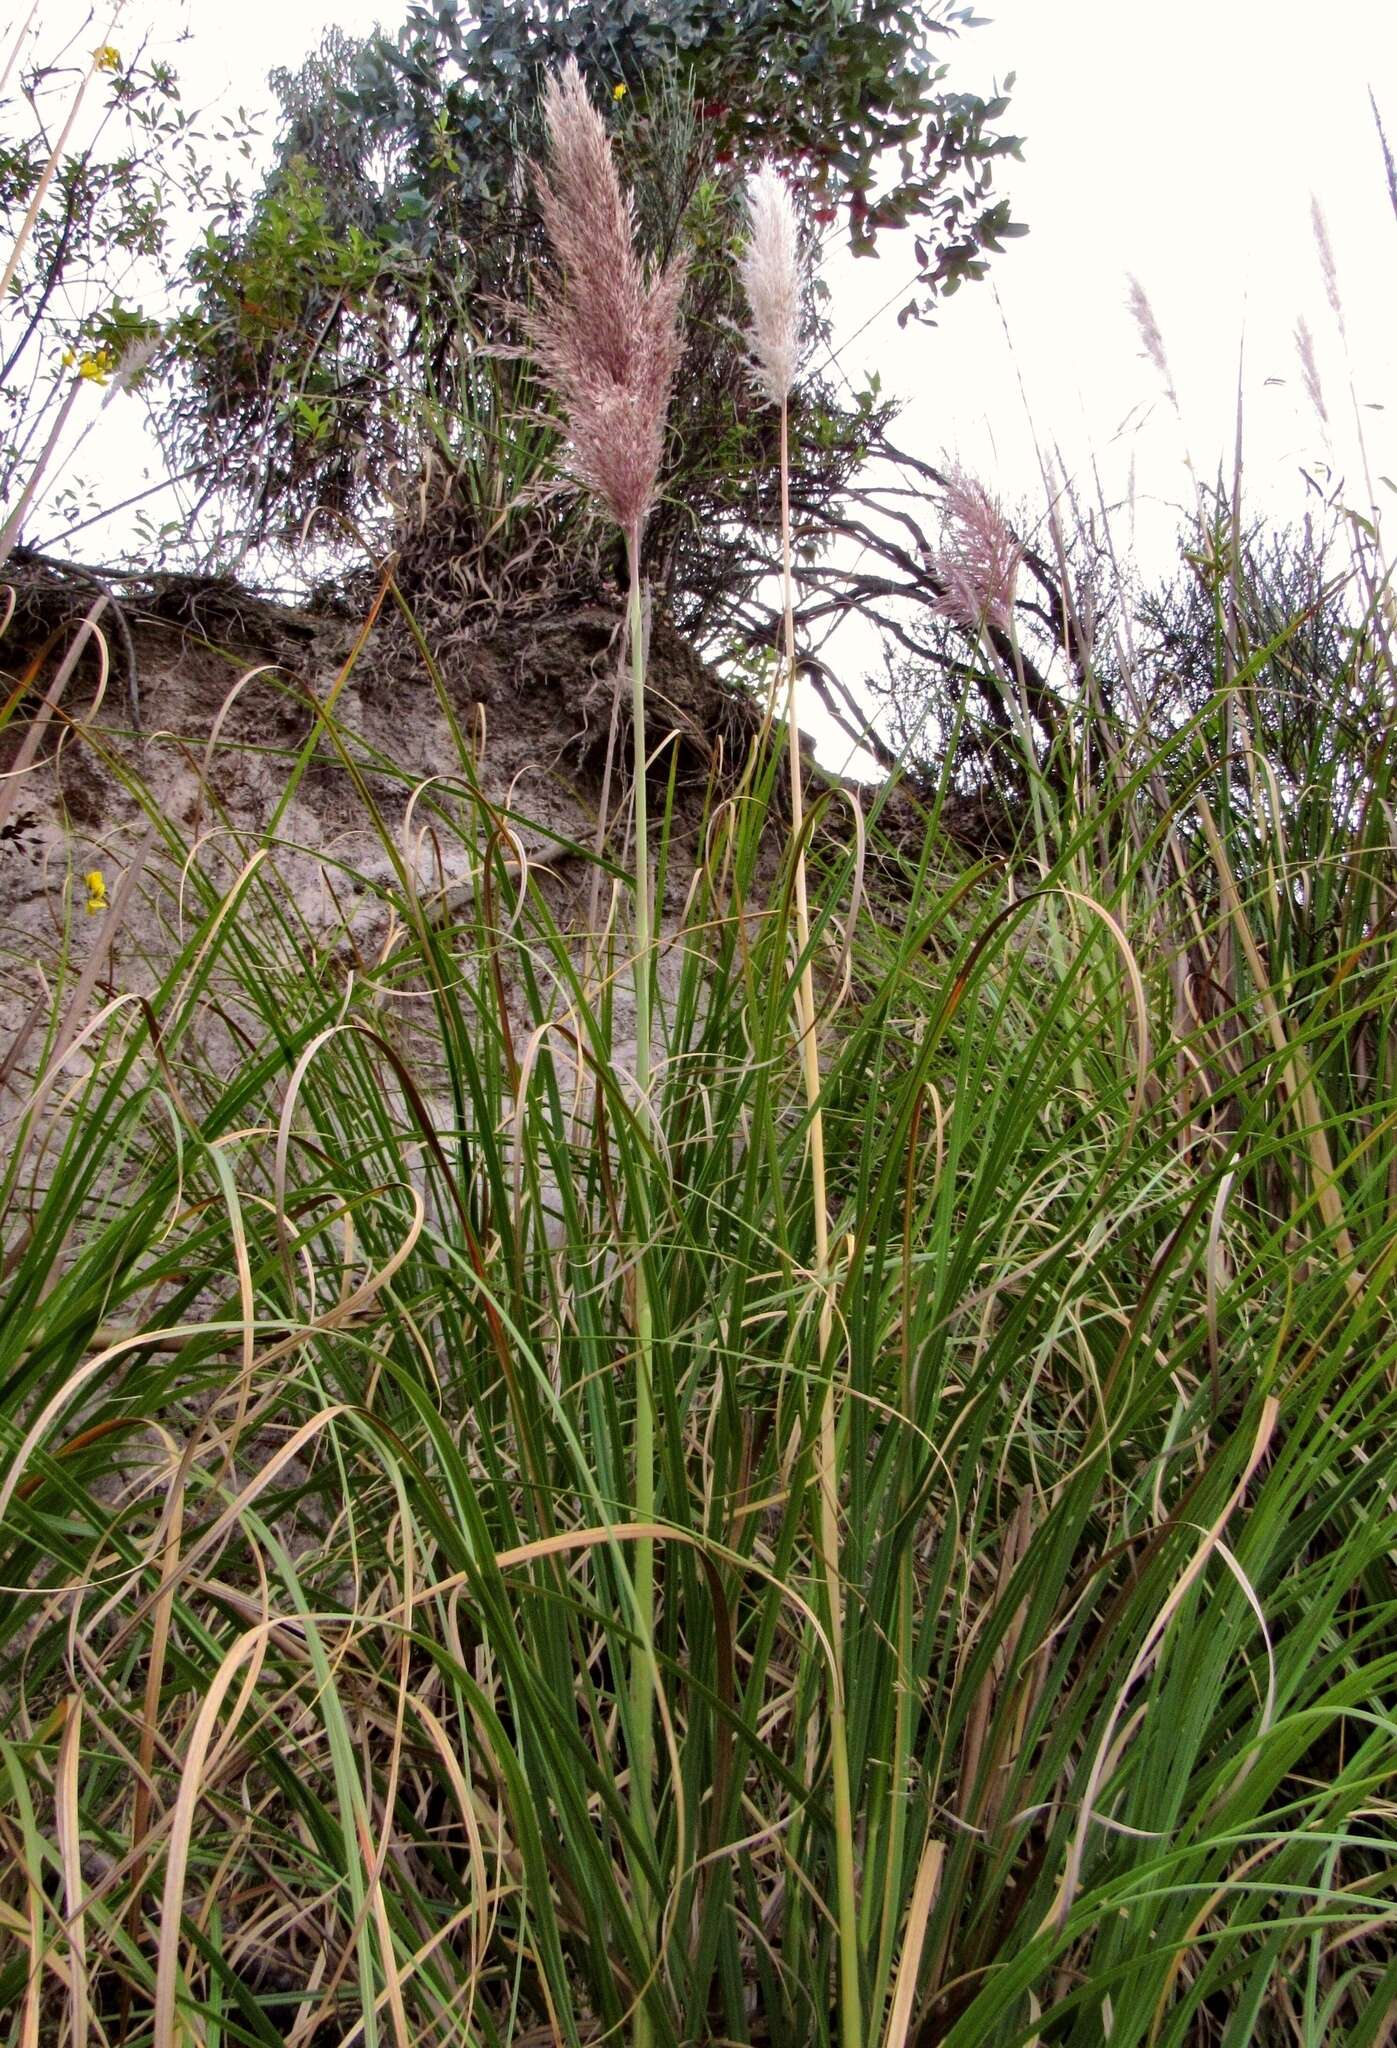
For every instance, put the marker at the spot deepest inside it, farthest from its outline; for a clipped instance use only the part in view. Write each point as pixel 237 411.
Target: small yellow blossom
pixel 96 891
pixel 107 58
pixel 96 366
pixel 70 356
pixel 619 91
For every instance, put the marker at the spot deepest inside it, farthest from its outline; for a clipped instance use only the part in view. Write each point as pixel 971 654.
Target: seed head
pixel 1309 368
pixel 1142 313
pixel 136 357
pixel 1328 267
pixel 978 562
pixel 606 336
pixel 771 277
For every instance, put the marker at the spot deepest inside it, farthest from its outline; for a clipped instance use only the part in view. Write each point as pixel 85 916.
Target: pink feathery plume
pixel 606 337
pixel 1142 312
pixel 979 558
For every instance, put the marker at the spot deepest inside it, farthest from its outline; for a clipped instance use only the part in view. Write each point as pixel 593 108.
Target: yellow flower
pixel 70 356
pixel 97 365
pixel 107 58
pixel 96 891
pixel 619 91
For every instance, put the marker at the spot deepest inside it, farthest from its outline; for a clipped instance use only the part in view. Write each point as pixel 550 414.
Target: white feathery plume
pixel 770 270
pixel 136 357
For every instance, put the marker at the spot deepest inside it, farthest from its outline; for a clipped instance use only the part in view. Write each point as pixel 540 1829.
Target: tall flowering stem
pixel 771 276
pixel 644 1672
pixel 607 337
pixel 977 566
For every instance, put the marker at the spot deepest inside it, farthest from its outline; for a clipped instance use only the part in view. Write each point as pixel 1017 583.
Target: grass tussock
pixel 319 1347
pixel 866 1518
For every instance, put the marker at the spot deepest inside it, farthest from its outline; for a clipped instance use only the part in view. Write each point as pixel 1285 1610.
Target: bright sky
pixel 1180 143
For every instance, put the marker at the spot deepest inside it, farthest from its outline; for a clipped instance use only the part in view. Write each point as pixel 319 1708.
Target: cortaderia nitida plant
pixel 607 336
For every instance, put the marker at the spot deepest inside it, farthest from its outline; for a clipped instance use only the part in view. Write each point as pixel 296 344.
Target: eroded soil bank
pixel 208 705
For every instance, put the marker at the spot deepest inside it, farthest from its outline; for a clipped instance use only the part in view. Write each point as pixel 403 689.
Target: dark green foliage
pixel 1286 604
pixel 829 89
pixel 362 321
pixel 318 1400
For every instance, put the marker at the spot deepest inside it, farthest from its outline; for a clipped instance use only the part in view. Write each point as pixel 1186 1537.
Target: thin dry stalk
pixel 19 511
pixel 771 274
pixel 17 45
pixel 1389 166
pixel 914 1935
pixel 26 226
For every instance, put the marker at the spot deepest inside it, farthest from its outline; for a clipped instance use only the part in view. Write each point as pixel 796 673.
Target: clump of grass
pixel 351 1373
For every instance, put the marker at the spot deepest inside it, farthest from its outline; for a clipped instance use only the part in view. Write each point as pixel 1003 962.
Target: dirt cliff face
pixel 215 704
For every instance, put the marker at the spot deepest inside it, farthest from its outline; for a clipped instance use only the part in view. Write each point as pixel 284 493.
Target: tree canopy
pixel 357 353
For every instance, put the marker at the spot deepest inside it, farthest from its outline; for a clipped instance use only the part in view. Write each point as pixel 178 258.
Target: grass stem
pixel 643 1668
pixel 850 1996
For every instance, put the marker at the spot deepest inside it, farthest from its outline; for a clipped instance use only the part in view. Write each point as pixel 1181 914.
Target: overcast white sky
pixel 1180 142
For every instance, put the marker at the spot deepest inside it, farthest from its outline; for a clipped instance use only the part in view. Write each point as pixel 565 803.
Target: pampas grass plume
pixel 1142 313
pixel 1328 267
pixel 770 273
pixel 979 559
pixel 606 336
pixel 1309 368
